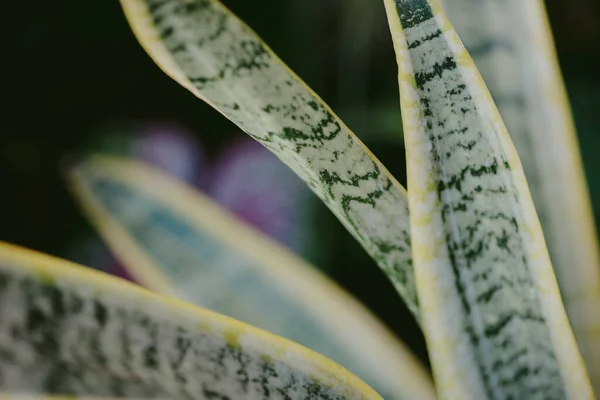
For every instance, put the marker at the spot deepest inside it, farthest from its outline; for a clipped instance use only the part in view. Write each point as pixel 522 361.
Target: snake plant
pixel 464 246
pixel 520 68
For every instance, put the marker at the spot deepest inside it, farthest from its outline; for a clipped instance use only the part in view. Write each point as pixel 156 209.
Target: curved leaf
pixel 491 311
pixel 71 330
pixel 209 51
pixel 511 44
pixel 178 242
pixel 9 396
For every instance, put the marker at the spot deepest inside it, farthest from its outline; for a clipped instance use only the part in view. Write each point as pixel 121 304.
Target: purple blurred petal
pixel 173 149
pixel 255 185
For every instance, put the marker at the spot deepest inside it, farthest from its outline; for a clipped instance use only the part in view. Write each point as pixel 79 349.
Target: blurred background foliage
pixel 76 81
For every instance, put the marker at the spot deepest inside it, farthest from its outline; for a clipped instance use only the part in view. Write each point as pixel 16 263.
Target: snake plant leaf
pixel 180 243
pixel 491 310
pixel 209 51
pixel 511 44
pixel 20 396
pixel 69 330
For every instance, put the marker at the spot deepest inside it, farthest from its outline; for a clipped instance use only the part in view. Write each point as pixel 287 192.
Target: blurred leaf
pixel 180 243
pixel 8 396
pixel 72 330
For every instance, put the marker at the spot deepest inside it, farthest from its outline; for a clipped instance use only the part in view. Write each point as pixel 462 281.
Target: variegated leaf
pixel 178 242
pixel 511 44
pixel 209 51
pixel 68 330
pixel 491 311
pixel 9 396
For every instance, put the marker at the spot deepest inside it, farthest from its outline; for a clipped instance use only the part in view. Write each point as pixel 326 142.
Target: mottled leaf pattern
pixel 491 311
pixel 8 396
pixel 178 242
pixel 68 330
pixel 511 44
pixel 217 57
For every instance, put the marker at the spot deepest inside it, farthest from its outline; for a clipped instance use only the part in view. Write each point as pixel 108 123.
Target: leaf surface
pixel 491 310
pixel 512 46
pixel 209 51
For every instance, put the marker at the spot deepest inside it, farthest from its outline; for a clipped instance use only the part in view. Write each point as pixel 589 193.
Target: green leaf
pixel 20 396
pixel 491 310
pixel 511 44
pixel 66 329
pixel 180 243
pixel 209 51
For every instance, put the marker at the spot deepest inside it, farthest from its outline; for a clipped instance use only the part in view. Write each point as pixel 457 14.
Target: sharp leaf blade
pixel 209 51
pixel 511 44
pixel 491 311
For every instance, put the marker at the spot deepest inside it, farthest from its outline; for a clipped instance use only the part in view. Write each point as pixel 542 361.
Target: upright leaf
pixel 209 51
pixel 491 311
pixel 511 44
pixel 68 330
pixel 179 243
